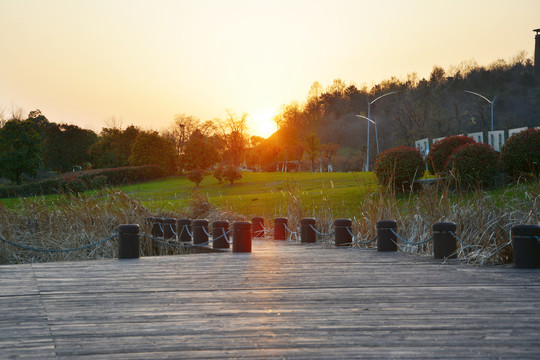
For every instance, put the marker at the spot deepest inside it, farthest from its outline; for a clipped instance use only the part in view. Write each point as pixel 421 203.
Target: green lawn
pixel 264 194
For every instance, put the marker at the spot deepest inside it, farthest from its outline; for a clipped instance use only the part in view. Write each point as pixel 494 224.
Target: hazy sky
pixel 84 61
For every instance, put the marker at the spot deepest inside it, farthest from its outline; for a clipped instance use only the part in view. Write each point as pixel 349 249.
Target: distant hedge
pixel 84 180
pixel 399 164
pixel 520 154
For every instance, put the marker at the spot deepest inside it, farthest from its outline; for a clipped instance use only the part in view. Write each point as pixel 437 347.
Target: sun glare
pixel 262 124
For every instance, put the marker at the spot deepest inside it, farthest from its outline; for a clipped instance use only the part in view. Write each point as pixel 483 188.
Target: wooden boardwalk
pixel 284 300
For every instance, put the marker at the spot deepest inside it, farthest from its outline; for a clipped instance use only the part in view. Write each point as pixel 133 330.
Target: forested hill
pixel 420 108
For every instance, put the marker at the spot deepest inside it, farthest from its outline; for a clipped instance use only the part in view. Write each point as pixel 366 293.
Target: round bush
pixel 399 164
pixel 196 176
pixel 473 164
pixel 231 174
pixel 521 152
pixel 441 151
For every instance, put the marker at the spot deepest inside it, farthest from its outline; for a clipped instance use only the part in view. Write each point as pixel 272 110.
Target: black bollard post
pixel 257 227
pixel 157 227
pixel 342 234
pixel 526 245
pixel 218 229
pixel 444 243
pixel 241 236
pixel 182 230
pixel 307 232
pixel 168 228
pixel 199 233
pixel 128 241
pixel 386 239
pixel 280 232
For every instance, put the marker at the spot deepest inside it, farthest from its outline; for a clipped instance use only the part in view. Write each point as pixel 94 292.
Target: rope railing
pixel 31 248
pixel 225 236
pixel 295 233
pixel 172 229
pixel 188 232
pixel 159 240
pixel 206 231
pixel 320 233
pixel 266 231
pixel 356 238
pixel 410 242
pixel 181 245
pixel 464 245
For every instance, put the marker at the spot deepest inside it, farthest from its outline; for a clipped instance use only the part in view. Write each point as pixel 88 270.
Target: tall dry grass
pixel 72 221
pixel 483 221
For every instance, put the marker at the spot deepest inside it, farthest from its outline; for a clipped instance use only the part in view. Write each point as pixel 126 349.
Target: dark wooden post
pixel 128 241
pixel 444 243
pixel 218 228
pixel 280 232
pixel 168 228
pixel 307 232
pixel 182 230
pixel 343 236
pixel 241 236
pixel 199 234
pixel 386 239
pixel 526 245
pixel 257 226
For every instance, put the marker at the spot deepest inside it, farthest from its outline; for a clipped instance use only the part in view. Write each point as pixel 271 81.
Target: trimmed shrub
pixel 473 164
pixel 441 151
pixel 196 176
pixel 231 174
pixel 399 164
pixel 84 180
pixel 521 153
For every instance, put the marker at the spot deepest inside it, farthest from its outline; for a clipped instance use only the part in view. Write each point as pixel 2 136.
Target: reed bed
pixel 73 221
pixel 483 220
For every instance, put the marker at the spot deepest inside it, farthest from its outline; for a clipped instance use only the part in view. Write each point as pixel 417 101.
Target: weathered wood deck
pixel 281 301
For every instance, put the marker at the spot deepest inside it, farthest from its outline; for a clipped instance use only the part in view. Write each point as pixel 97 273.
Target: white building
pixel 477 136
pixel 437 139
pixel 496 139
pixel 423 146
pixel 516 130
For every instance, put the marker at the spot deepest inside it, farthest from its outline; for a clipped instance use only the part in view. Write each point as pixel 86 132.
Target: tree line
pixel 321 133
pixel 34 144
pixel 418 108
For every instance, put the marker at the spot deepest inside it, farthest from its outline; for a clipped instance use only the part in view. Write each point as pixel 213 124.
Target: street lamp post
pixel 369 118
pixel 485 98
pixel 376 136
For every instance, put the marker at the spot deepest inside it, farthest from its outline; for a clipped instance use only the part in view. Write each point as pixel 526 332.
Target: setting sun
pixel 262 123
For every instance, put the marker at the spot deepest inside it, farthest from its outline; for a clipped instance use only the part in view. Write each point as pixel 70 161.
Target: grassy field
pixel 261 194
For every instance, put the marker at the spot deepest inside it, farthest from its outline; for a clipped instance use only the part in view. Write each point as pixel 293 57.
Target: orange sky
pixel 84 61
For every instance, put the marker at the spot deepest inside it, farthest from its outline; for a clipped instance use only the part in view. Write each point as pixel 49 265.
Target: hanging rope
pixel 410 242
pixel 357 241
pixel 295 233
pixel 320 233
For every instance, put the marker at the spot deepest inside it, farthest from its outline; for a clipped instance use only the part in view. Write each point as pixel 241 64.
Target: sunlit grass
pixel 261 194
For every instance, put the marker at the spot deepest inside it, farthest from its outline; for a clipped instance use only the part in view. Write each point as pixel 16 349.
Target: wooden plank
pixel 283 300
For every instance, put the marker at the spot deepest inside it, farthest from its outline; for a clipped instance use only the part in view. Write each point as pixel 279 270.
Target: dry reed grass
pixel 484 221
pixel 72 221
